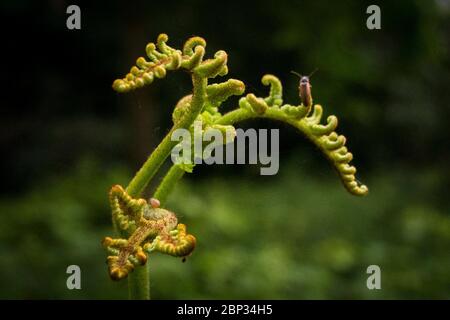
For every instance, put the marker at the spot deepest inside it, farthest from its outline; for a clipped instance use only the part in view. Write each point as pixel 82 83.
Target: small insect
pixel 304 88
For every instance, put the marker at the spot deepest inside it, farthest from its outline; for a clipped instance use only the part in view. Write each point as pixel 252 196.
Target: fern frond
pixel 308 121
pixel 162 58
pixel 154 228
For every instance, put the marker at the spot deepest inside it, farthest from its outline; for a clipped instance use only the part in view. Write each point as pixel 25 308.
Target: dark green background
pixel 66 137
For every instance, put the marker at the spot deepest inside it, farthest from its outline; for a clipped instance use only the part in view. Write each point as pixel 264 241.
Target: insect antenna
pixel 297 74
pixel 310 75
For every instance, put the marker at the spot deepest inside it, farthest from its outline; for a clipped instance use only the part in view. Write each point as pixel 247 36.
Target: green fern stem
pixel 139 280
pixel 160 154
pixel 139 283
pixel 168 183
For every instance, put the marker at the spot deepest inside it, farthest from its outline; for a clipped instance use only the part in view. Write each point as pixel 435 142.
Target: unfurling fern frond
pixel 154 227
pixel 162 58
pixel 307 121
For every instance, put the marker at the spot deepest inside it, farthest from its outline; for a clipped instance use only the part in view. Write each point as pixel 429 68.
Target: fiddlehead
pixel 308 121
pixel 153 229
pixel 163 58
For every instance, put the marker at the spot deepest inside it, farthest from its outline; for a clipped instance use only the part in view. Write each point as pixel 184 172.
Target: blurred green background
pixel 67 137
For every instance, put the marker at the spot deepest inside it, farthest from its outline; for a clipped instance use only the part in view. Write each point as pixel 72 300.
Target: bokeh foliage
pixel 67 137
